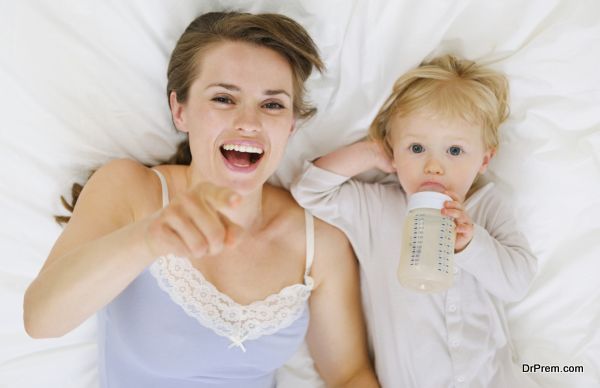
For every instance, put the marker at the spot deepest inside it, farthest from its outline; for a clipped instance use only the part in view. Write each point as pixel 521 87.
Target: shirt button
pixel 456 270
pixel 454 343
pixel 452 308
pixel 460 379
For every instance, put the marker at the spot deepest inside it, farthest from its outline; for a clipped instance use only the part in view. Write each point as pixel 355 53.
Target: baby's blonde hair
pixel 452 88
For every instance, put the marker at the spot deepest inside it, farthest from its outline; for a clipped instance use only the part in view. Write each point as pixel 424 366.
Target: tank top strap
pixel 165 188
pixel 310 241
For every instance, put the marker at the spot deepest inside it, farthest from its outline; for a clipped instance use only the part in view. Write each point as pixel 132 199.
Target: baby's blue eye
pixel 416 148
pixel 455 150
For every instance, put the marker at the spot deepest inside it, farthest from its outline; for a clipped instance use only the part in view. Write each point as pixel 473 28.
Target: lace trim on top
pixel 201 300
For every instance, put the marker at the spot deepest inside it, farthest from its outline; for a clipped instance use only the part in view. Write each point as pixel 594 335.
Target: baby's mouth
pixel 432 186
pixel 241 155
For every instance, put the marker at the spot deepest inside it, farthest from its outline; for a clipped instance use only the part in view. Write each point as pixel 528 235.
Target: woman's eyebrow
pixel 229 87
pixel 234 88
pixel 276 91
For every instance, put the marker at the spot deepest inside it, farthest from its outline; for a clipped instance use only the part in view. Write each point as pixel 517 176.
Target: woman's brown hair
pixel 274 31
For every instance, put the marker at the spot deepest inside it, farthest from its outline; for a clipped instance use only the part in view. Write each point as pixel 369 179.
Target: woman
pixel 201 272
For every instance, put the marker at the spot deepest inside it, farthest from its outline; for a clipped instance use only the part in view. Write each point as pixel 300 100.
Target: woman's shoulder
pixel 123 175
pixel 124 168
pixel 125 182
pixel 331 246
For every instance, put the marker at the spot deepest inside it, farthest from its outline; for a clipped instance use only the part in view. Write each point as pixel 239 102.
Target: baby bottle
pixel 426 259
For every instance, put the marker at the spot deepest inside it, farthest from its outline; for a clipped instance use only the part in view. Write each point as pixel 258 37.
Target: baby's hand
pixel 464 224
pixel 381 160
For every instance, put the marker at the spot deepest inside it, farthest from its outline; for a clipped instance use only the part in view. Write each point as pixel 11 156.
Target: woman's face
pixel 238 115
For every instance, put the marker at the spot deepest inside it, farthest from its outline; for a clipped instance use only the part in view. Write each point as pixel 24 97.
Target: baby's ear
pixel 487 157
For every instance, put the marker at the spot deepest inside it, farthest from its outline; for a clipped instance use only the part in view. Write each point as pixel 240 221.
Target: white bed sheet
pixel 82 82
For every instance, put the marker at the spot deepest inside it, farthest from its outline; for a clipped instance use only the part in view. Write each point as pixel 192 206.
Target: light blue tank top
pixel 170 328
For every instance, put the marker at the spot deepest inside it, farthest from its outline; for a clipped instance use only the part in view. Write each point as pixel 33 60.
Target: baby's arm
pixel 326 190
pixel 498 255
pixel 355 159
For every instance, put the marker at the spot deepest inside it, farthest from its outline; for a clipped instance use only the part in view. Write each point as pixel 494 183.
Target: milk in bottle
pixel 426 260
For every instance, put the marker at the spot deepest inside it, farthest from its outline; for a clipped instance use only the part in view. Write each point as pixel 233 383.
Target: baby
pixel 438 131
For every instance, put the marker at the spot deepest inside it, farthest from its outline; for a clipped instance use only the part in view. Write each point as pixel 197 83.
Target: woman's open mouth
pixel 242 157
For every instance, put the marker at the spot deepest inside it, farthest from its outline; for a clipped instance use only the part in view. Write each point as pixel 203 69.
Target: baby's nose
pixel 432 166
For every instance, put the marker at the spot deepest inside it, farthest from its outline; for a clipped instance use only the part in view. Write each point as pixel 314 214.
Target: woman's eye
pixel 455 150
pixel 416 148
pixel 222 100
pixel 273 105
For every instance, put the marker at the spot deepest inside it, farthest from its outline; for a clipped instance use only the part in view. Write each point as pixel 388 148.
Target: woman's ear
pixel 177 112
pixel 487 157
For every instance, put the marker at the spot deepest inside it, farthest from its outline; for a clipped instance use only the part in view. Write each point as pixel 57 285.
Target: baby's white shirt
pixel 458 338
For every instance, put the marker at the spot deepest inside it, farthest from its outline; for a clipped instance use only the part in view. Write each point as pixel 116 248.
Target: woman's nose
pixel 432 166
pixel 247 119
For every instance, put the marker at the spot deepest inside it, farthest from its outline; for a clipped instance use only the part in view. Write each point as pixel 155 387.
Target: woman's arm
pixel 336 335
pixel 97 255
pixel 104 247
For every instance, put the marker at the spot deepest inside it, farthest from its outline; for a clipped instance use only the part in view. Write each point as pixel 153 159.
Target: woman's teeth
pixel 242 148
